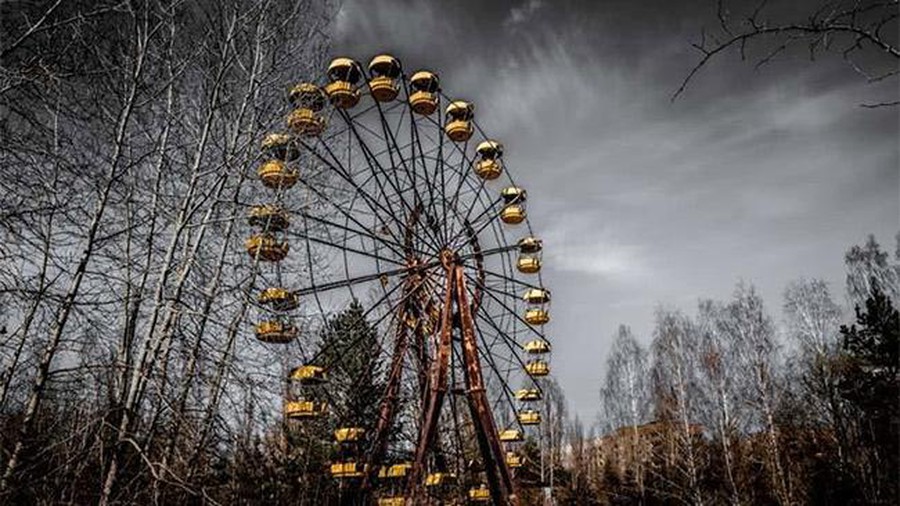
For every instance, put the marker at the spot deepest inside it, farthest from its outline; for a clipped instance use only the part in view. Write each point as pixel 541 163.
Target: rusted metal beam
pixel 498 475
pixel 437 383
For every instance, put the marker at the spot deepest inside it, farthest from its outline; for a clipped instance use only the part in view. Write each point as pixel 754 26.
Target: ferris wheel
pixel 385 193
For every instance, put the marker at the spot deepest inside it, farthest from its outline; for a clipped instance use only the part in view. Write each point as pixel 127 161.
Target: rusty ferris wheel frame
pixel 367 177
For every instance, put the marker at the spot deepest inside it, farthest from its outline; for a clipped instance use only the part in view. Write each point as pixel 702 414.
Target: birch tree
pixel 625 395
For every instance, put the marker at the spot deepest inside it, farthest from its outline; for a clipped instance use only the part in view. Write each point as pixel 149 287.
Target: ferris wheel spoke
pixel 338 226
pixel 376 168
pixel 324 287
pixel 346 213
pixel 511 342
pixel 347 177
pixel 393 146
pixel 490 292
pixel 462 174
pixel 484 224
pixel 510 279
pixel 344 247
pixel 424 156
pixel 372 162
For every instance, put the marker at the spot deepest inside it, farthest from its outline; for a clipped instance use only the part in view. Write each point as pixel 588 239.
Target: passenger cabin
pixel 537 316
pixel 489 165
pixel 529 395
pixel 513 211
pixel 529 261
pixel 279 151
pixel 395 471
pixel 349 434
pixel 480 494
pixel 385 71
pixel 348 470
pixel 342 90
pixel 511 436
pixel 276 332
pixel 440 479
pixel 513 460
pixel 280 147
pixel 308 375
pixel 529 417
pixel 539 300
pixel 268 217
pixel 458 121
pixel 537 347
pixel 537 368
pixel 279 299
pixel 306 118
pixel 266 247
pixel 395 500
pixel 277 175
pixel 424 98
pixel 304 409
pixel 536 296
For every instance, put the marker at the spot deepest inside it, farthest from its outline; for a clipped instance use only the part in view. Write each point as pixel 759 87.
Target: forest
pixel 127 134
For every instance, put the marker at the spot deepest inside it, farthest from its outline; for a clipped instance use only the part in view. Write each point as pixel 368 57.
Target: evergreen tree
pixel 870 385
pixel 351 348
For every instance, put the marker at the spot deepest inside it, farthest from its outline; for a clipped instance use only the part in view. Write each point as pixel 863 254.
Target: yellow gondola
pixel 397 500
pixel 266 247
pixel 459 121
pixel 536 296
pixel 530 244
pixel 537 316
pixel 279 146
pixel 480 494
pixel 512 214
pixel 276 332
pixel 385 70
pixel 490 164
pixel 514 460
pixel 270 218
pixel 537 346
pixel 528 394
pixel 537 368
pixel 513 211
pixel 511 436
pixel 276 174
pixel 400 470
pixel 348 470
pixel 308 102
pixel 529 417
pixel 308 375
pixel 440 479
pixel 303 409
pixel 424 98
pixel 528 264
pixel 343 73
pixel 280 299
pixel 349 434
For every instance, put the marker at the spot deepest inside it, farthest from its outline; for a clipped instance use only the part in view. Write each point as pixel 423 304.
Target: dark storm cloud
pixel 764 175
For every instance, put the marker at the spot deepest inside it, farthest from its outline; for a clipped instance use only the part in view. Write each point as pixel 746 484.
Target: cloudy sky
pixel 761 174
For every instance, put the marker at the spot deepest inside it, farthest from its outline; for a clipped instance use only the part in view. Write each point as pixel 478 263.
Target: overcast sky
pixel 763 175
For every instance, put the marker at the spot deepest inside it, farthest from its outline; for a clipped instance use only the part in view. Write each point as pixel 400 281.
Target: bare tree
pixel 862 32
pixel 674 368
pixel 129 130
pixel 867 265
pixel 746 324
pixel 722 409
pixel 626 395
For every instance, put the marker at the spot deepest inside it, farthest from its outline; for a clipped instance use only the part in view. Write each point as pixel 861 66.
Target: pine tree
pixel 871 384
